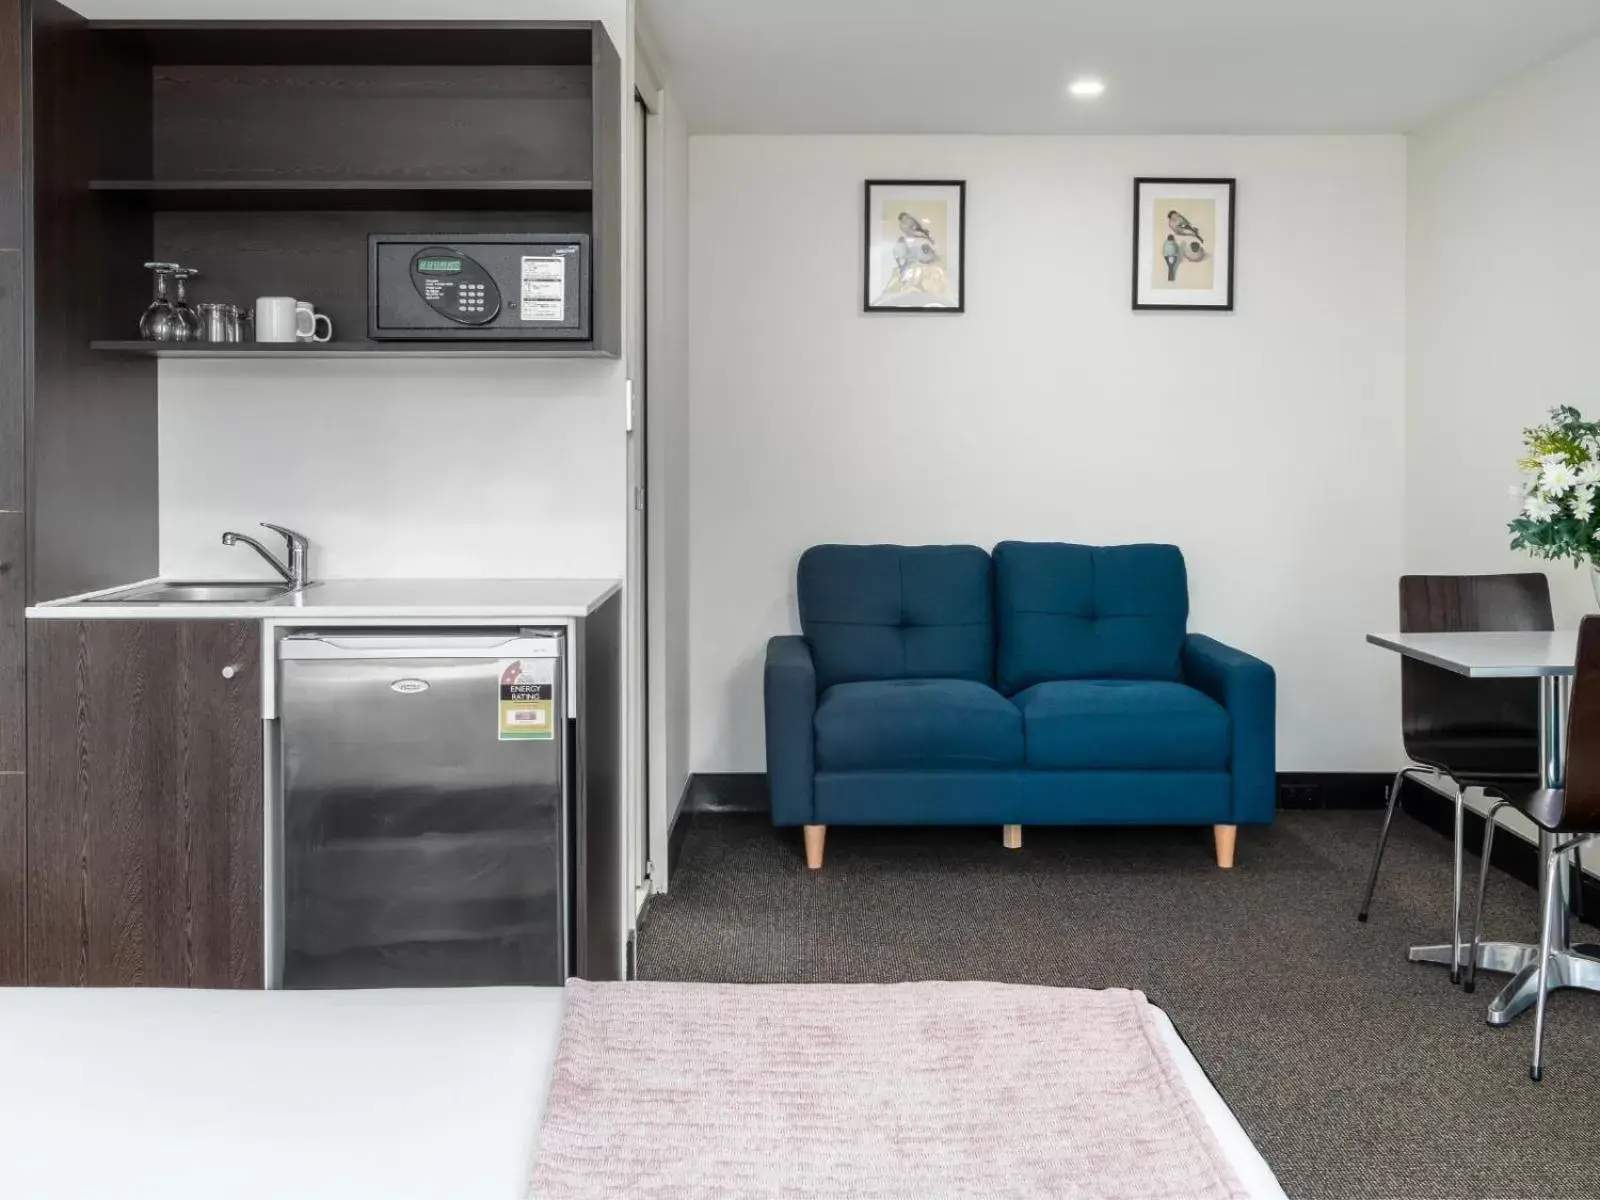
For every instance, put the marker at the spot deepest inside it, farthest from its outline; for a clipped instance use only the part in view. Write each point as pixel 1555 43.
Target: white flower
pixel 1540 508
pixel 1589 474
pixel 1550 460
pixel 1557 478
pixel 1583 506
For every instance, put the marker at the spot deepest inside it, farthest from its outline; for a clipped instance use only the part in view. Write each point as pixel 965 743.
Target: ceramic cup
pixel 275 319
pixel 306 317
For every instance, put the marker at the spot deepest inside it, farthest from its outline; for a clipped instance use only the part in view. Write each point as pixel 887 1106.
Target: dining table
pixel 1548 657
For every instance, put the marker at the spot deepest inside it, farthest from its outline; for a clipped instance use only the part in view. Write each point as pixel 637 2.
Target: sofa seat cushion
pixel 1123 724
pixel 898 724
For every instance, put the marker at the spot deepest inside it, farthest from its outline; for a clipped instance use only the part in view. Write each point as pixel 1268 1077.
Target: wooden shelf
pixel 216 350
pixel 207 195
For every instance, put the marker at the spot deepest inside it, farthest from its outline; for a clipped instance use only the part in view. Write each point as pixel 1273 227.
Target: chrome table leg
pixel 1503 957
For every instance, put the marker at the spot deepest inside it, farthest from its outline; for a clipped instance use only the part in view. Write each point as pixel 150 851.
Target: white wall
pixel 1504 203
pixel 1504 198
pixel 1267 443
pixel 668 238
pixel 501 468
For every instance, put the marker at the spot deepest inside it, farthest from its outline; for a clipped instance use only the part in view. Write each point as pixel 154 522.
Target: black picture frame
pixel 960 305
pixel 1139 185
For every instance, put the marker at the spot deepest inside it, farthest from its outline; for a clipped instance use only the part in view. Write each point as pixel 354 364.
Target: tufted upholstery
pixel 897 612
pixel 1052 684
pixel 1088 612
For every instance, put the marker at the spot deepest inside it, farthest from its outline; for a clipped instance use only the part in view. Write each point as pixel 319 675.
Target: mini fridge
pixel 425 808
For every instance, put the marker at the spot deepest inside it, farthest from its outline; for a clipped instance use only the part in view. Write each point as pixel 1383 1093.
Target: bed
pixel 191 1095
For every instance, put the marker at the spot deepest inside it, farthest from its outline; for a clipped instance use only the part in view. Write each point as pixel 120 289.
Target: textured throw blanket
pixel 914 1090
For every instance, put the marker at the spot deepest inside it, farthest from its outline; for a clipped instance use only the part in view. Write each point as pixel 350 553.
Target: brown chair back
pixel 1582 811
pixel 1483 728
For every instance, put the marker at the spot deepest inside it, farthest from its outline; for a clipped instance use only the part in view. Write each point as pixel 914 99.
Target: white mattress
pixel 194 1095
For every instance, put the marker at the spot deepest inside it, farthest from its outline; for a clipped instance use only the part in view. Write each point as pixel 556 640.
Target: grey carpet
pixel 1358 1074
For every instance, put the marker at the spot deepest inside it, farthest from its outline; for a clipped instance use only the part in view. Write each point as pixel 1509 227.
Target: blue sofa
pixel 1047 684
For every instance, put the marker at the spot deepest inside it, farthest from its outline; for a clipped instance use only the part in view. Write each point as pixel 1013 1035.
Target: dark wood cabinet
pixel 144 817
pixel 13 750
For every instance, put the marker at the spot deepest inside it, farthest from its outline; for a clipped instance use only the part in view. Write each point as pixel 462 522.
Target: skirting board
pixel 746 792
pixel 1514 855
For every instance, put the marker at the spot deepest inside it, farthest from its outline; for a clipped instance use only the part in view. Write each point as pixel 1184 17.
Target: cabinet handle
pixel 232 669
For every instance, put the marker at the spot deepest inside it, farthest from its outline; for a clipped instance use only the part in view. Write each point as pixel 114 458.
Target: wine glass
pixel 189 319
pixel 160 321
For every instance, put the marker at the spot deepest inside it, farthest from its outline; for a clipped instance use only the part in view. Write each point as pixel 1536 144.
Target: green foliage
pixel 1560 518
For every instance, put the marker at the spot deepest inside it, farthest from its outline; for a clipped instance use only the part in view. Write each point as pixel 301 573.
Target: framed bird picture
pixel 915 246
pixel 1183 243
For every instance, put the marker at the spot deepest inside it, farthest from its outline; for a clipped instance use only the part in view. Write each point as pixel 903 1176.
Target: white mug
pixel 275 319
pixel 306 317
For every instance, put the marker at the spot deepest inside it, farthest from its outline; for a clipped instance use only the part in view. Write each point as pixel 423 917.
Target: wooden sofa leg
pixel 816 835
pixel 1011 837
pixel 1227 836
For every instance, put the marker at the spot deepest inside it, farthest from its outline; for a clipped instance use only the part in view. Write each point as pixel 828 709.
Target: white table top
pixel 1488 655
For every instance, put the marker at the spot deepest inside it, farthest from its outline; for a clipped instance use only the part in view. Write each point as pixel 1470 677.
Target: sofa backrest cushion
pixel 898 612
pixel 1088 612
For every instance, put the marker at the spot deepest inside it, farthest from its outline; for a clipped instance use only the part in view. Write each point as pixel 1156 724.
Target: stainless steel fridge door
pixel 422 844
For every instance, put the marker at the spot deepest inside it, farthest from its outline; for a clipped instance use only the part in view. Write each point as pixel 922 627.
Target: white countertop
pixel 489 599
pixel 1488 655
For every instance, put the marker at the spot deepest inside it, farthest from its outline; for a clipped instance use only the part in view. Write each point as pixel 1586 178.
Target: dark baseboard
pixel 746 792
pixel 1333 789
pixel 1514 855
pixel 738 792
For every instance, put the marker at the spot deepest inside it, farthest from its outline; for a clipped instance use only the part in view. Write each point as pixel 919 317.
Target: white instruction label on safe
pixel 544 287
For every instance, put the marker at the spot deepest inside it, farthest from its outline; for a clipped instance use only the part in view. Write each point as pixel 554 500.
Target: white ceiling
pixel 1170 66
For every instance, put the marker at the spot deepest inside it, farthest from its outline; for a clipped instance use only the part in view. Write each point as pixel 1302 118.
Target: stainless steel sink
pixel 197 593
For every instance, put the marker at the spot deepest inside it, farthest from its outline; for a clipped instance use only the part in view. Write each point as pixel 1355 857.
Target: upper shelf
pixel 357 43
pixel 193 195
pixel 444 349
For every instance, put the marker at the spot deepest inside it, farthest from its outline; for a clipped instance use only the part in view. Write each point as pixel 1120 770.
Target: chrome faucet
pixel 295 573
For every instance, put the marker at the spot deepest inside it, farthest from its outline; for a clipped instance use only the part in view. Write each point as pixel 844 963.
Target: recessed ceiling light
pixel 1086 89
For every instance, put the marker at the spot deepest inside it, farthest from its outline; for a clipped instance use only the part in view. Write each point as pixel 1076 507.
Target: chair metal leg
pixel 1383 840
pixel 1577 884
pixel 1471 980
pixel 1552 903
pixel 1455 898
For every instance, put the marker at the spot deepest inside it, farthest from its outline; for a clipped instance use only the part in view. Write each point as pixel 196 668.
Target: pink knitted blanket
pixel 912 1090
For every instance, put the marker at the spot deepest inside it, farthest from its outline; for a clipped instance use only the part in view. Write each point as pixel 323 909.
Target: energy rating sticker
pixel 527 701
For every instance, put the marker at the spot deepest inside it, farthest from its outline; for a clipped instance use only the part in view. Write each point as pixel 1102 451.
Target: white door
pixel 638 590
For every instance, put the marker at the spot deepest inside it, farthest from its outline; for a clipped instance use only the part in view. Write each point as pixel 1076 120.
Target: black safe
pixel 488 286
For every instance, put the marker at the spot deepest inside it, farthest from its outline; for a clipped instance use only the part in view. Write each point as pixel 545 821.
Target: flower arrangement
pixel 1560 490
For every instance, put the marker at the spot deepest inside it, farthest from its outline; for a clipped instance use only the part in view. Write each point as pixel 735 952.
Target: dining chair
pixel 1469 732
pixel 1571 814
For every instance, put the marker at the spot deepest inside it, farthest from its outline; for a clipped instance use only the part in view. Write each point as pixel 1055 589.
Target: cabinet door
pixel 13 785
pixel 144 803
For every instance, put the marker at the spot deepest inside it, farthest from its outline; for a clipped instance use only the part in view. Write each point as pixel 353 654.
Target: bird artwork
pixel 918 266
pixel 912 228
pixel 1182 247
pixel 1183 237
pixel 1181 225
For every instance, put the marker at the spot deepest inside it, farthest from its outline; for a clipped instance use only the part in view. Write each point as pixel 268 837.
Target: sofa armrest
pixel 1247 688
pixel 790 690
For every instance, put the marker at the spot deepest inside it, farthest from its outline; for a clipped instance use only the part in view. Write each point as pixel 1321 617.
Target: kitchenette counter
pixel 363 599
